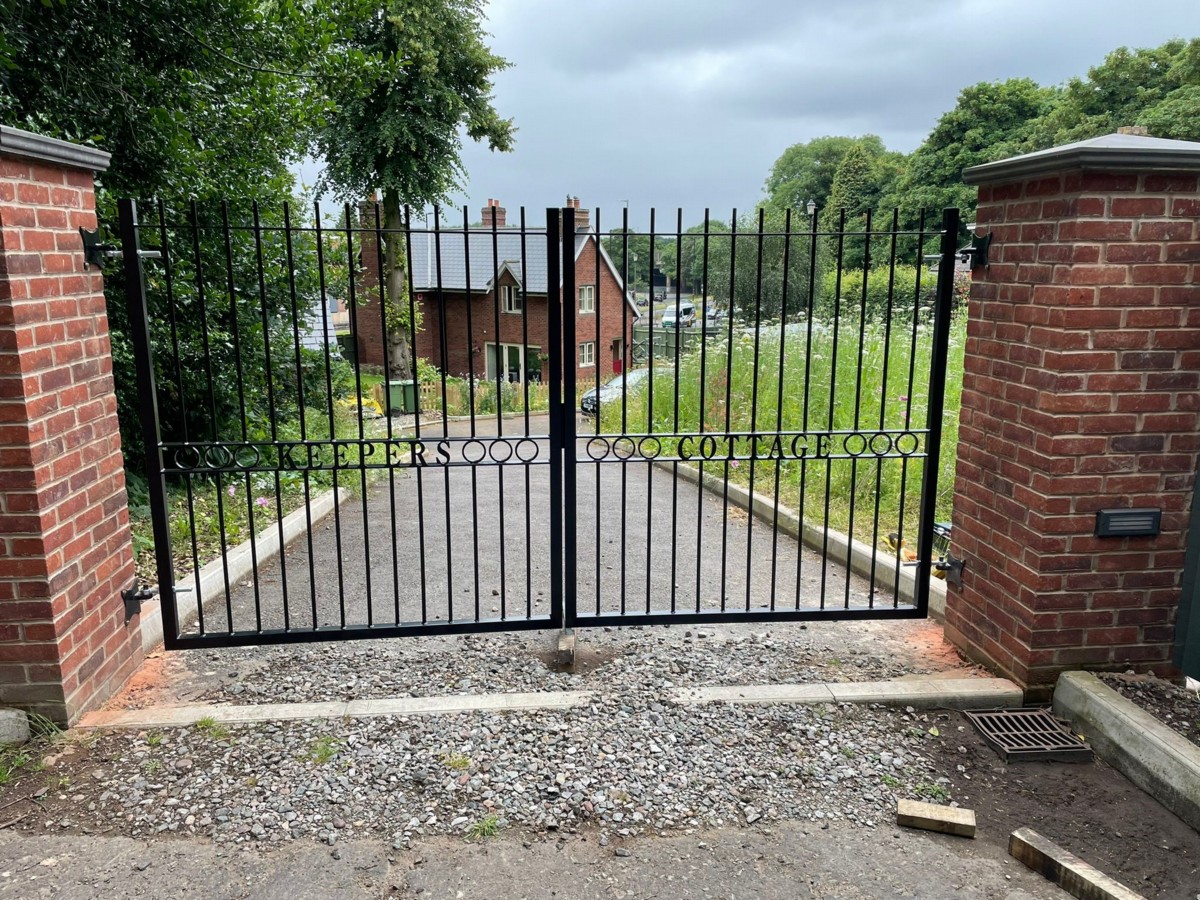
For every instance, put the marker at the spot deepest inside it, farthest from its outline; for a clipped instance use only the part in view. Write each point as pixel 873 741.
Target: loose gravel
pixel 628 764
pixel 1173 705
pixel 616 660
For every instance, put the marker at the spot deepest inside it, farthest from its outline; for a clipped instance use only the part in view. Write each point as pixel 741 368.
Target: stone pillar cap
pixel 27 145
pixel 1111 152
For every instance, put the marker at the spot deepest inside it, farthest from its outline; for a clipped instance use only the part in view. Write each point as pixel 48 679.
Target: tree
pixel 849 199
pixel 399 131
pixel 806 171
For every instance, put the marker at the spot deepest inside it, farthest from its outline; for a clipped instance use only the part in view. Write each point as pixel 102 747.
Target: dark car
pixel 590 403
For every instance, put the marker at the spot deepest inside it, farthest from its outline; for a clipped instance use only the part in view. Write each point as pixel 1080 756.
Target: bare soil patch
pixel 1172 704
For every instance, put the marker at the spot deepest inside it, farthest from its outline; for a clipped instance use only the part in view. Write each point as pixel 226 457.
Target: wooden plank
pixel 934 817
pixel 1068 871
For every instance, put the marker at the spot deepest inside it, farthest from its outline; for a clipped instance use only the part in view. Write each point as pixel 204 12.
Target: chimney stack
pixel 582 217
pixel 493 211
pixel 1135 130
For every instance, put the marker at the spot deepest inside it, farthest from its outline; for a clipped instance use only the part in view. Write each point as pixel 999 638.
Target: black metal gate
pixel 784 437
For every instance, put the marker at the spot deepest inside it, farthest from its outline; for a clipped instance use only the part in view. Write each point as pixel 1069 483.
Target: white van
pixel 681 316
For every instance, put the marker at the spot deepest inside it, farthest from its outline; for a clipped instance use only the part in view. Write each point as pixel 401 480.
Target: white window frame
pixel 587 355
pixel 587 294
pixel 527 355
pixel 511 300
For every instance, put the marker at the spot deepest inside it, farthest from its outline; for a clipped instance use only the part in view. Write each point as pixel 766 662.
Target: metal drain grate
pixel 1025 735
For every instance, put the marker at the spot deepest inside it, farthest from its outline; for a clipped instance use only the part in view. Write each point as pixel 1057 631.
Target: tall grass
pixel 845 375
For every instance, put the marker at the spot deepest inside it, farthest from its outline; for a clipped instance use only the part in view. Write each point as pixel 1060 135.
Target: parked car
pixel 681 316
pixel 590 402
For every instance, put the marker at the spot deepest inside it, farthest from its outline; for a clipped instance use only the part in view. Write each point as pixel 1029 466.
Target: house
pixel 490 289
pixel 316 330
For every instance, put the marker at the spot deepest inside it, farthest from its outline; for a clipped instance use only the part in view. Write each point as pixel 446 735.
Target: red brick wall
pixel 1081 392
pixel 65 551
pixel 483 321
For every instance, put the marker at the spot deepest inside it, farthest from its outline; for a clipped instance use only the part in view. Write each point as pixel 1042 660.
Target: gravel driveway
pixel 474 542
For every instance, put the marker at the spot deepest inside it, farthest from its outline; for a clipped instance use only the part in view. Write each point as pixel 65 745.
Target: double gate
pixel 778 460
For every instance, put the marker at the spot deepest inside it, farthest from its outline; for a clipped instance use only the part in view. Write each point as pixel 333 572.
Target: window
pixel 587 355
pixel 511 299
pixel 519 363
pixel 587 298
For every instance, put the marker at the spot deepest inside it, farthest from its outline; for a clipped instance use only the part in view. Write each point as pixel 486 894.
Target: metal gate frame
pixel 564 465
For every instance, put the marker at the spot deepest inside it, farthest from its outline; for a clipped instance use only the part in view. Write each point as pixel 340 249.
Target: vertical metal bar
pixel 650 429
pixel 235 316
pixel 554 294
pixel 187 478
pixel 143 354
pixel 412 320
pixel 470 301
pixel 291 267
pixel 702 411
pixel 837 325
pixel 212 405
pixel 337 481
pixel 597 305
pixel 783 303
pixel 937 396
pixel 525 388
pixel 675 413
pixel 808 333
pixel 441 302
pixel 858 386
pixel 912 368
pixel 569 419
pixel 754 403
pixel 352 308
pixel 499 410
pixel 266 327
pixel 883 399
pixel 627 338
pixel 386 303
pixel 729 442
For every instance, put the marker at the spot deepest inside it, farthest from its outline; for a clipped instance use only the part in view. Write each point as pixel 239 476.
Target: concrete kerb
pixel 1156 758
pixel 861 557
pixel 241 563
pixel 927 693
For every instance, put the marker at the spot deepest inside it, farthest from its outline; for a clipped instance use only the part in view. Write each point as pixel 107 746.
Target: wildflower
pixel 232 492
pixel 262 501
pixel 735 463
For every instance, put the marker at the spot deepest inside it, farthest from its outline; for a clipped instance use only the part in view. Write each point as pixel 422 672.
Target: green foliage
pixel 806 171
pixel 488 826
pixel 899 291
pixel 323 750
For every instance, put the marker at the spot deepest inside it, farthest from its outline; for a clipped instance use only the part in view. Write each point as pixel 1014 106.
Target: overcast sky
pixel 671 103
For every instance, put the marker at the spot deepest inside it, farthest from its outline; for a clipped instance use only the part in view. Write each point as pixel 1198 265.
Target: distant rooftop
pixel 1121 152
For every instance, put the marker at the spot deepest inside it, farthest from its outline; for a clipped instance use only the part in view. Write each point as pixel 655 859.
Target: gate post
pixel 1081 393
pixel 65 549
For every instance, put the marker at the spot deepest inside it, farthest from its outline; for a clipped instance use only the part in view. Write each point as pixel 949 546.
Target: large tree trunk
pixel 399 342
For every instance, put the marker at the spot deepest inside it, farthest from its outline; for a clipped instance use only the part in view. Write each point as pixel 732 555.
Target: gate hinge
pixel 952 567
pixel 134 597
pixel 94 252
pixel 976 254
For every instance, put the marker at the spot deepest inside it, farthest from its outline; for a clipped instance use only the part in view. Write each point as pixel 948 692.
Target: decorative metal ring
pixel 482 451
pixel 642 448
pixel 624 450
pixel 600 442
pixel 916 443
pixel 500 442
pixel 247 456
pixel 846 444
pixel 217 456
pixel 187 457
pixel 887 446
pixel 531 442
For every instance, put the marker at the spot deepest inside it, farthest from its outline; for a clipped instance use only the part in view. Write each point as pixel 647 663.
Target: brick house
pixel 483 286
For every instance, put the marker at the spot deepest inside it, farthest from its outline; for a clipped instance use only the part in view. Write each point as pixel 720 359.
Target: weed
pixel 459 762
pixel 155 738
pixel 891 781
pixel 12 760
pixel 848 753
pixel 152 766
pixel 485 828
pixel 322 750
pixel 933 792
pixel 42 727
pixel 210 728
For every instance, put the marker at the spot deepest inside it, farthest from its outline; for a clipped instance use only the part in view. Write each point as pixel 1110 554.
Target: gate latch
pixel 134 597
pixel 94 252
pixel 952 567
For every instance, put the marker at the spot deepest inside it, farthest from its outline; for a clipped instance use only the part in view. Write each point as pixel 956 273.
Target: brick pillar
pixel 65 550
pixel 1081 392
